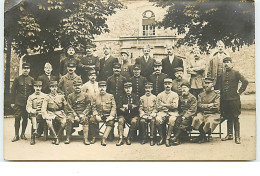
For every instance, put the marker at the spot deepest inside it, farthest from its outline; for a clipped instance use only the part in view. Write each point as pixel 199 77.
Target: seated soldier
pixel 128 112
pixel 33 107
pixel 167 104
pixel 55 108
pixel 147 110
pixel 104 110
pixel 187 109
pixel 208 117
pixel 80 108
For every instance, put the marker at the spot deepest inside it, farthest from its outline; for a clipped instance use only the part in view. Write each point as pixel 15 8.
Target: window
pixel 148 23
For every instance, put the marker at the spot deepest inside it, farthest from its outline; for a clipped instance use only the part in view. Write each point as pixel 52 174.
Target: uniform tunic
pixel 34 104
pixel 147 106
pixel 196 68
pixel 66 83
pixel 176 85
pixel 64 65
pixel 209 115
pixel 129 100
pixel 86 64
pixel 91 89
pixel 46 82
pixel 126 70
pixel 158 82
pixel 138 85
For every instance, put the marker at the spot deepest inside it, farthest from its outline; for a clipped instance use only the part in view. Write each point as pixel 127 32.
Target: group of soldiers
pixel 150 96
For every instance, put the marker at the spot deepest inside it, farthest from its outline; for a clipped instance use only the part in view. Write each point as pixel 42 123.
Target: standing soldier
pixel 21 89
pixel 147 110
pixel 126 68
pixel 230 98
pixel 55 108
pixel 157 78
pixel 171 62
pixel 146 62
pixel 128 112
pixel 91 87
pixel 33 107
pixel 104 110
pixel 88 62
pixel 80 104
pixel 187 109
pixel 70 57
pixel 106 64
pixel 167 105
pixel 138 81
pixel 66 81
pixel 177 82
pixel 208 117
pixel 215 66
pixel 196 68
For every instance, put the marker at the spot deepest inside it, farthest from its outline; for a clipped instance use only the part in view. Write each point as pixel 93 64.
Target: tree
pixel 206 21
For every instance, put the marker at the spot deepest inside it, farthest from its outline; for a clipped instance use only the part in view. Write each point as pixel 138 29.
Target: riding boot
pixel 85 134
pixel 68 132
pixel 24 125
pixel 33 137
pixel 121 133
pixel 59 136
pixel 16 127
pixel 160 131
pixel 230 130
pixel 169 133
pixel 130 136
pixel 237 131
pixel 106 133
pixel 144 134
pixel 93 130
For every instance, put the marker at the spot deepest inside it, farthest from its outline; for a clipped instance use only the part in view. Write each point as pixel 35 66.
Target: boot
pixel 159 127
pixel 85 134
pixel 16 128
pixel 33 137
pixel 169 133
pixel 57 142
pixel 16 138
pixel 143 141
pixel 152 142
pixel 120 142
pixel 93 140
pixel 128 141
pixel 121 133
pixel 130 136
pixel 24 125
pixel 230 130
pixel 237 131
pixel 167 143
pixel 103 142
pixel 23 136
pixel 93 132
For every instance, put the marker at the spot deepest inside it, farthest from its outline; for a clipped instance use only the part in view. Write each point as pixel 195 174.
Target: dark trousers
pixel 20 113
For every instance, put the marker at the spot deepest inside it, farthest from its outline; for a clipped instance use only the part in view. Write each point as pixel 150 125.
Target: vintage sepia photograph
pixel 129 80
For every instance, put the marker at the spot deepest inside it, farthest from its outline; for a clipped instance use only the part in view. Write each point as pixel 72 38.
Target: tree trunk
pixel 7 67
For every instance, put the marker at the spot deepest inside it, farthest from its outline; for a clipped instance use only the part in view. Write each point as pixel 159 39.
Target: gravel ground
pixel 76 150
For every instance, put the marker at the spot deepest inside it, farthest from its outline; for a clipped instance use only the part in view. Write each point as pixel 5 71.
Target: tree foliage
pixel 206 21
pixel 43 25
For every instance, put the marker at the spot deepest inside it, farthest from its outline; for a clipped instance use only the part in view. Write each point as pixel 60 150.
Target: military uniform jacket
pixel 171 98
pixel 21 89
pixel 64 64
pixel 34 103
pixel 176 85
pixel 196 68
pixel 87 63
pixel 158 82
pixel 147 105
pixel 204 99
pixel 187 105
pixel 104 105
pixel 66 83
pixel 115 85
pixel 46 82
pixel 146 67
pixel 129 100
pixel 138 85
pixel 54 106
pixel 229 85
pixel 127 70
pixel 169 68
pixel 91 89
pixel 106 68
pixel 79 103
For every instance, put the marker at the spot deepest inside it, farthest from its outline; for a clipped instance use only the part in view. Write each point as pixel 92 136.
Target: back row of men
pixel 152 98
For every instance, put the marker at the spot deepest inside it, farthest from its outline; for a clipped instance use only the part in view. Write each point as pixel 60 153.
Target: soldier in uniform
pixel 196 68
pixel 138 81
pixel 208 116
pixel 70 57
pixel 88 62
pixel 146 62
pixel 128 112
pixel 147 111
pixel 55 108
pixel 171 62
pixel 80 104
pixel 21 89
pixel 230 98
pixel 126 67
pixel 177 82
pixel 33 107
pixel 167 107
pixel 106 64
pixel 215 66
pixel 104 110
pixel 66 81
pixel 91 87
pixel 187 110
pixel 157 78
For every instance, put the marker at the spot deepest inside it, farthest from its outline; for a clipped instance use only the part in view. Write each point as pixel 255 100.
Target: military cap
pixel 117 65
pixel 77 82
pixel 178 69
pixel 148 84
pixel 128 84
pixel 53 83
pixel 167 80
pixel 125 52
pixel 91 72
pixel 26 65
pixel 102 83
pixel 157 63
pixel 227 59
pixel 37 83
pixel 208 80
pixel 137 67
pixel 185 84
pixel 88 46
pixel 71 64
